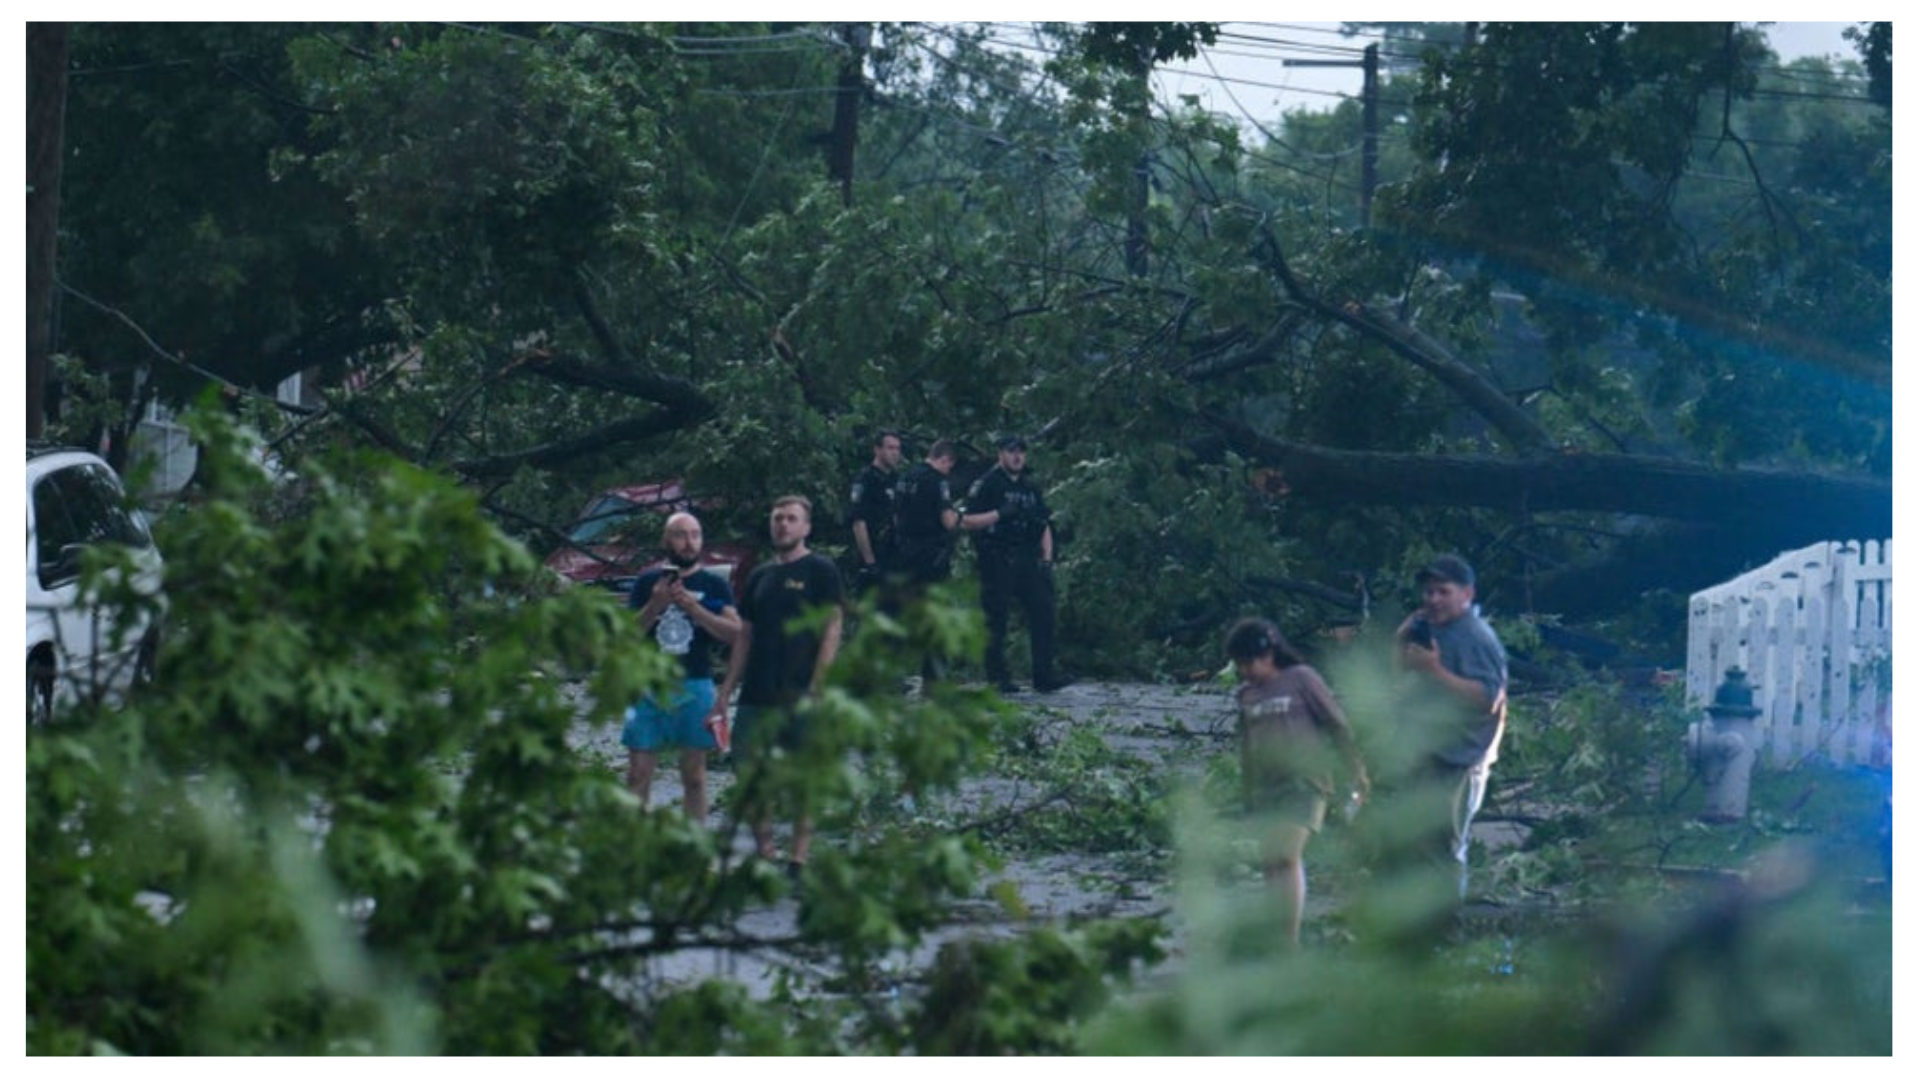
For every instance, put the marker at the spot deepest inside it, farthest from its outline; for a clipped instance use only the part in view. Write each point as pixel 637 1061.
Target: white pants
pixel 1468 793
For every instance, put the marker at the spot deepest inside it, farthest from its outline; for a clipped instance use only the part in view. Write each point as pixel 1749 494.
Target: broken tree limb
pixel 1501 412
pixel 554 454
pixel 628 380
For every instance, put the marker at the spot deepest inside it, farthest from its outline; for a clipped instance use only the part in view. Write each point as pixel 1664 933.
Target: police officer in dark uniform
pixel 1013 537
pixel 870 513
pixel 924 520
pixel 924 526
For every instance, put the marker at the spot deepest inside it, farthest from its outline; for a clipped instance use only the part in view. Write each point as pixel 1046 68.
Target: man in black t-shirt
pixel 1013 537
pixel 777 659
pixel 688 610
pixel 870 512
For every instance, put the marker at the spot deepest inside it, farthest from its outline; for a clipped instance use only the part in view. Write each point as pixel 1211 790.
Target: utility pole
pixel 1370 124
pixel 1138 191
pixel 46 136
pixel 846 106
pixel 1369 65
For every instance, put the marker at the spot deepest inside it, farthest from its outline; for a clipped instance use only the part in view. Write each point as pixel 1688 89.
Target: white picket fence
pixel 1814 631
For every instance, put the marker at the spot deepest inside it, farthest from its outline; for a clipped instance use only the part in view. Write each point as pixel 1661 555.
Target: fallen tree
pixel 1685 523
pixel 1784 508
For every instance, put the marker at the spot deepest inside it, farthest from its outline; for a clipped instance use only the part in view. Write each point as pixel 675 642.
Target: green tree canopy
pixel 1637 261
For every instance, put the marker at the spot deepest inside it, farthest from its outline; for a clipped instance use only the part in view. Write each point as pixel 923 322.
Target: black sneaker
pixel 1007 686
pixel 1051 685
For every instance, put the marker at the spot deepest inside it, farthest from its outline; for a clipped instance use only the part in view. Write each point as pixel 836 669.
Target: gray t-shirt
pixel 1469 649
pixel 1291 730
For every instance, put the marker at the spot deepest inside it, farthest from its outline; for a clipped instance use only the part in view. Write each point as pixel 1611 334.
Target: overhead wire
pixel 813 35
pixel 1263 46
pixel 1250 154
pixel 1002 35
pixel 1027 97
pixel 759 168
pixel 1786 70
pixel 1272 139
pixel 1076 178
pixel 817 41
pixel 803 91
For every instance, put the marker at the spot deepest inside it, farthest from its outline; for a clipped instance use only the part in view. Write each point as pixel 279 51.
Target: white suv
pixel 76 648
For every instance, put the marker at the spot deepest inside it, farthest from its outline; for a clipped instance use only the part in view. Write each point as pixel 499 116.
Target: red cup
pixel 722 729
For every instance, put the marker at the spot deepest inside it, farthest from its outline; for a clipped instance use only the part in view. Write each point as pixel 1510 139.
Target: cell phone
pixel 671 575
pixel 1420 633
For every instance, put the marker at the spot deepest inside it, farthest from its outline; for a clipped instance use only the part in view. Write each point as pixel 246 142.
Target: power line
pixel 1797 95
pixel 1223 79
pixel 1027 97
pixel 808 91
pixel 1272 139
pixel 1300 28
pixel 760 167
pixel 1252 155
pixel 1783 70
pixel 1271 47
pixel 756 50
pixel 1213 75
pixel 1022 92
pixel 813 36
pixel 808 40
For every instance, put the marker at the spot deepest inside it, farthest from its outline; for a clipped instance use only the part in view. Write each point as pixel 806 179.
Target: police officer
pixel 1013 538
pixel 870 512
pixel 924 519
pixel 924 524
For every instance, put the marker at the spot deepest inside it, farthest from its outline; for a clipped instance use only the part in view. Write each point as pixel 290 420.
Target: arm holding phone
pixel 722 625
pixel 670 590
pixel 1420 653
pixel 658 597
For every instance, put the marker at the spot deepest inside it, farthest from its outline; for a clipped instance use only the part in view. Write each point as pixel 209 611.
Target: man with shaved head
pixel 688 609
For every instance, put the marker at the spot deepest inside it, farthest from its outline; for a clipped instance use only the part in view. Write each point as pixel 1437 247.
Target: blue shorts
pixel 681 723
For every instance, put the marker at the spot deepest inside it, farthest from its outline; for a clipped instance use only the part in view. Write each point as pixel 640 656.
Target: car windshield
pixel 79 506
pixel 83 505
pixel 605 521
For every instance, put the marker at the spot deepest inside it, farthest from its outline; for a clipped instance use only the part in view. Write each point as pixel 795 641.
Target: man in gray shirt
pixel 1457 705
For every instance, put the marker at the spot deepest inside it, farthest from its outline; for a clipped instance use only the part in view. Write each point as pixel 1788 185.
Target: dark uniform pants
pixel 921 566
pixel 1004 580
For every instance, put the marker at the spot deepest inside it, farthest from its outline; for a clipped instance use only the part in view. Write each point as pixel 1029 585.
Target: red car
pixel 617 538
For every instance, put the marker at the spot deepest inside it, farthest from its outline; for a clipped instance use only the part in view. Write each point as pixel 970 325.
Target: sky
pixel 1246 73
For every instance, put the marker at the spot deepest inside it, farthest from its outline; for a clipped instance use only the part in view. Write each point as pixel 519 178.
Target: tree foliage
pixel 594 254
pixel 1620 278
pixel 1571 159
pixel 366 827
pixel 348 817
pixel 230 263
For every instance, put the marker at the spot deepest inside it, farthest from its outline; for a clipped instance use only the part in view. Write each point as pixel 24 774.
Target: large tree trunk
pixel 1761 511
pixel 46 129
pixel 1707 523
pixel 1681 558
